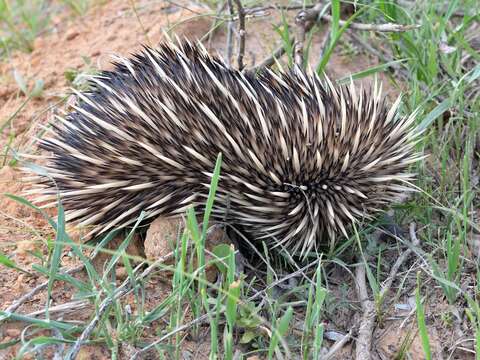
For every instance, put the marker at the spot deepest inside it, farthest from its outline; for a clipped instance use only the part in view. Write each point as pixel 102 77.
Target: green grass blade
pixel 120 251
pixel 56 256
pixel 211 195
pixel 422 327
pixel 6 261
pixel 370 71
pixel 434 114
pixel 280 331
pixel 48 324
pixel 335 18
pixel 326 56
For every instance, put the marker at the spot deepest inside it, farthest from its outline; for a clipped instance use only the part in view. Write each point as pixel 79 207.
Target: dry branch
pixel 304 20
pixel 313 14
pixel 339 344
pixel 39 288
pixel 366 327
pixel 394 270
pixel 229 33
pixel 241 34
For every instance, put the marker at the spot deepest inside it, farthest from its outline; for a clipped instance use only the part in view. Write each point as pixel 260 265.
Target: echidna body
pixel 301 158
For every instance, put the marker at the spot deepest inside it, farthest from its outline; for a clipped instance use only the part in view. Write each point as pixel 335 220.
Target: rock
pixel 13 333
pixel 161 237
pixel 71 34
pixel 121 273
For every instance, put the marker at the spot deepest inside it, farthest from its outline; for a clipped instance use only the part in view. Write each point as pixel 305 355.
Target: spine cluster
pixel 302 158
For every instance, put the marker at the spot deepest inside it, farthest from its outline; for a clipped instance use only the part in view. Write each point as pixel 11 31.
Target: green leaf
pixel 120 251
pixel 49 324
pixel 280 331
pixel 7 344
pixel 211 195
pixel 434 114
pixel 37 88
pixel 5 260
pixel 248 336
pixel 19 79
pixel 232 301
pixel 326 56
pixel 475 74
pixel 222 252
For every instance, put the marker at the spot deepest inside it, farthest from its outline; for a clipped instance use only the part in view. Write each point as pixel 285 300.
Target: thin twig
pixel 305 20
pixel 269 61
pixel 338 346
pixel 39 288
pixel 63 308
pixel 119 292
pixel 241 34
pixel 313 14
pixel 198 320
pixel 411 4
pixel 229 33
pixel 216 22
pixel 367 322
pixel 394 270
pixel 388 27
pixel 134 8
pixel 203 319
pixel 323 43
pixel 254 10
pixel 300 39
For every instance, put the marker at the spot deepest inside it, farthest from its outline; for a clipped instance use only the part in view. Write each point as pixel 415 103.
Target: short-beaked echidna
pixel 302 158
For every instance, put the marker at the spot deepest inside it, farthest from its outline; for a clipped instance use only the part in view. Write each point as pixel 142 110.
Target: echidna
pixel 302 158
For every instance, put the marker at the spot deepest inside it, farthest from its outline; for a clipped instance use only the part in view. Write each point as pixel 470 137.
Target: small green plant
pixel 79 7
pixel 21 21
pixel 313 331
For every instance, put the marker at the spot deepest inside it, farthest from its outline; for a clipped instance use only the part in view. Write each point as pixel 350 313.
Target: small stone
pixel 161 237
pixel 20 283
pixel 24 247
pixel 121 273
pixel 13 333
pixel 72 34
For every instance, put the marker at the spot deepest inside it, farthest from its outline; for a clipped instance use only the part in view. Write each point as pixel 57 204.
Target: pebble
pixel 72 34
pixel 121 273
pixel 13 333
